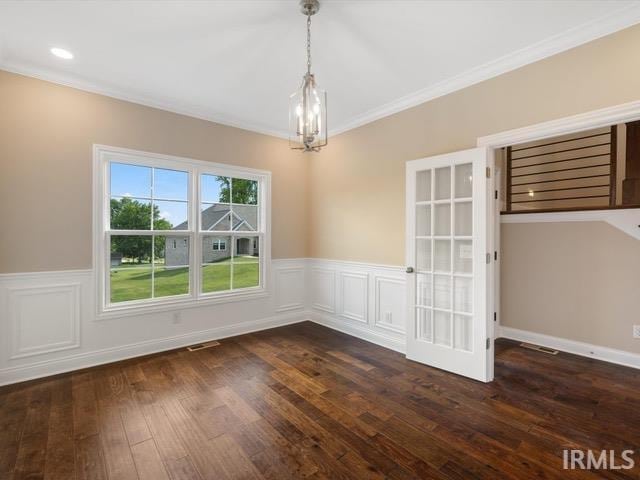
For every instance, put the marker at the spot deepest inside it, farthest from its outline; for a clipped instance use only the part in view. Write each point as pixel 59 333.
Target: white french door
pixel 449 221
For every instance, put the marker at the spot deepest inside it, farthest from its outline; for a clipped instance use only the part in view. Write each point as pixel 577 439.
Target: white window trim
pixel 102 155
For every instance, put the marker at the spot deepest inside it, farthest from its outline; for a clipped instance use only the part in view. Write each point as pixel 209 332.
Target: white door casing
pixel 449 235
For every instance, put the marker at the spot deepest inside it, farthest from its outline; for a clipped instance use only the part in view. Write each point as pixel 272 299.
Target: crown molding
pixel 169 105
pixel 579 35
pixel 617 20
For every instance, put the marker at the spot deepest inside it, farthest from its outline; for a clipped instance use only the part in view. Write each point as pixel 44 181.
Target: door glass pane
pixel 216 263
pixel 423 290
pixel 423 316
pixel 423 186
pixel 423 220
pixel 443 183
pixel 463 332
pixel 464 178
pixel 442 328
pixel 442 291
pixel 442 255
pixel 462 256
pixel 442 224
pixel 463 294
pixel 170 266
pixel 463 219
pixel 423 255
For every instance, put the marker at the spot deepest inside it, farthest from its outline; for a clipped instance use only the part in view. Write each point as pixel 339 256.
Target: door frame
pixel 604 117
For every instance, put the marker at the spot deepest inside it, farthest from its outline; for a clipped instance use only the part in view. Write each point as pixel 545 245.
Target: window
pixel 177 230
pixel 219 245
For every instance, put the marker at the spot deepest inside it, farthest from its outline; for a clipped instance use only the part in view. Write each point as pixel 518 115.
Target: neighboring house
pixel 116 259
pixel 217 217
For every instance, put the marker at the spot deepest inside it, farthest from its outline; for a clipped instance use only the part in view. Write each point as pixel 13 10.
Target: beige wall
pixel 46 137
pixel 572 280
pixel 348 201
pixel 582 285
pixel 357 192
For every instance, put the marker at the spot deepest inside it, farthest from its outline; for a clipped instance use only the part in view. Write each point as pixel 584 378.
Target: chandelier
pixel 308 104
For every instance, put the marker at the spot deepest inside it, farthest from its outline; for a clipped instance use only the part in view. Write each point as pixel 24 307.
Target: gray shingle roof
pixel 216 217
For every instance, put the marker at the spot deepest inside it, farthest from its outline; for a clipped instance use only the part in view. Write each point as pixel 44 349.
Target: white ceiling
pixel 236 62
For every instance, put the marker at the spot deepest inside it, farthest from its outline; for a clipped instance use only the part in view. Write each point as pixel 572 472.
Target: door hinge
pixel 488 343
pixel 496 195
pixel 495 256
pixel 495 316
pixel 488 172
pixel 488 258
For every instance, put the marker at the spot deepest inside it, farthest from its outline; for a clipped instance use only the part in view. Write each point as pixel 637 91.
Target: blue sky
pixel 169 185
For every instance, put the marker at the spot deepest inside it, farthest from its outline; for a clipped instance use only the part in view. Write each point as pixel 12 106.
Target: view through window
pixel 160 247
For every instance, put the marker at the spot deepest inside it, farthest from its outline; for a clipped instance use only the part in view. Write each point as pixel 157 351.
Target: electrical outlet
pixel 177 318
pixel 636 331
pixel 388 317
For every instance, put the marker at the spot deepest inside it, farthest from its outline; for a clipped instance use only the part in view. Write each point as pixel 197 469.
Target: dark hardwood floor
pixel 304 401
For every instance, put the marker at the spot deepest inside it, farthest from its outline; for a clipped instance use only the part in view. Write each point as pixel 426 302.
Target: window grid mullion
pixel 194 232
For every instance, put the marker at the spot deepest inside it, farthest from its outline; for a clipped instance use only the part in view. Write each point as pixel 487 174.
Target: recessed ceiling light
pixel 62 53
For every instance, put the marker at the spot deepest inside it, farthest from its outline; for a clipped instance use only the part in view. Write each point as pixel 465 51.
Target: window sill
pixel 182 303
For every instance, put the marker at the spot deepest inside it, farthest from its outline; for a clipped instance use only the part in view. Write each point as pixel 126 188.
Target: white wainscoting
pixel 48 321
pixel 353 296
pixel 290 288
pixel 323 289
pixel 367 301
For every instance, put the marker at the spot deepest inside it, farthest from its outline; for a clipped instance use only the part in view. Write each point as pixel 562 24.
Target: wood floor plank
pixel 12 417
pixel 182 469
pixel 304 401
pixel 89 459
pixel 117 454
pixel 60 453
pixel 148 462
pixel 31 457
pixel 85 405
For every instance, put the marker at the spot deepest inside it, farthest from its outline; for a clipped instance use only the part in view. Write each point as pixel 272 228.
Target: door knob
pixel 409 269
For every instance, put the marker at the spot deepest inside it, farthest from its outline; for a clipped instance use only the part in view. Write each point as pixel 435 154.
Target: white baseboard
pixel 108 355
pixel 361 332
pixel 620 357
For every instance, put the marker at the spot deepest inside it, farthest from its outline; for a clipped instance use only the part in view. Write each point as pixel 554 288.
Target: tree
pixel 244 191
pixel 129 214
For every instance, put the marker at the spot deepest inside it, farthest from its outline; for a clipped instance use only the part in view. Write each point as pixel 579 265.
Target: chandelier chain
pixel 308 43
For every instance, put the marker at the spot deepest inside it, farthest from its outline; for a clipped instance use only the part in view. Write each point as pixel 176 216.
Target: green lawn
pixel 133 282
